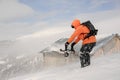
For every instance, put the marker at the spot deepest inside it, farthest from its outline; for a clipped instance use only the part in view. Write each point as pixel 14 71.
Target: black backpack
pixel 92 29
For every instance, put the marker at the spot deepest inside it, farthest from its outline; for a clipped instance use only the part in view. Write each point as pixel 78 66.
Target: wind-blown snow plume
pixel 18 65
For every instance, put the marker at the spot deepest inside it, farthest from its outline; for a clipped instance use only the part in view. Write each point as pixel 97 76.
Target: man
pixel 80 33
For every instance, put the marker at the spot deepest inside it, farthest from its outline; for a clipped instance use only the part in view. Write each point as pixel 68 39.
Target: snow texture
pixel 38 67
pixel 103 68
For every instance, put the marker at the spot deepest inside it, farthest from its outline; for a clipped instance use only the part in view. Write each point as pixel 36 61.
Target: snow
pixel 2 62
pixel 31 66
pixel 19 57
pixel 9 66
pixel 106 67
pixel 24 60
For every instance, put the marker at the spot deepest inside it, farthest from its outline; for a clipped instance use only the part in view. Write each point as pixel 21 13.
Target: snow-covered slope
pixel 103 68
pixel 108 45
pixel 11 66
pixel 23 64
pixel 53 56
pixel 101 42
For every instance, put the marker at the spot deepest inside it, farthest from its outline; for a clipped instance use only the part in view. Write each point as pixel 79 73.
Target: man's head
pixel 75 23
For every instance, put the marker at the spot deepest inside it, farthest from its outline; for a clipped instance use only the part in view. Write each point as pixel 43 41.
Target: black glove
pixel 66 45
pixel 72 46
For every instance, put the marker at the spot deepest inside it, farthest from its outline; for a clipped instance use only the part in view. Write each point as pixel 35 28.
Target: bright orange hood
pixel 76 23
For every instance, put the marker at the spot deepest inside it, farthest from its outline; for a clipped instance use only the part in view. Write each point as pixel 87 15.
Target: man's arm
pixel 73 36
pixel 78 39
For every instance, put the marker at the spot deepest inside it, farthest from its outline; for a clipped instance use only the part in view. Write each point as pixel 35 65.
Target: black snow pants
pixel 85 56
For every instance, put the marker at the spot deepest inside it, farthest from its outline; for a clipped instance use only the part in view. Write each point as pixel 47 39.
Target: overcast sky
pixel 24 17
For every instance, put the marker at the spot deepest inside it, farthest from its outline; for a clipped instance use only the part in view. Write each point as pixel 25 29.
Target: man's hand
pixel 72 46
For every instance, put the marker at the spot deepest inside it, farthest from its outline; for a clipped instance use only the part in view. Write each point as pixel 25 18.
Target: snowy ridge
pixel 103 68
pixel 53 57
pixel 101 43
pixel 55 46
pixel 18 65
pixel 109 45
pixel 12 66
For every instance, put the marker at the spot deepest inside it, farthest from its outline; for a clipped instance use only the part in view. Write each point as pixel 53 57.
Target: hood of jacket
pixel 76 23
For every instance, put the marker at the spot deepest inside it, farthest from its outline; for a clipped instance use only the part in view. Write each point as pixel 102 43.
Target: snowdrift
pixel 12 66
pixel 106 67
pixel 107 45
pixel 53 57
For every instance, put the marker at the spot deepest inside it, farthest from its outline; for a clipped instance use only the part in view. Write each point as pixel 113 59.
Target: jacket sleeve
pixel 78 39
pixel 74 35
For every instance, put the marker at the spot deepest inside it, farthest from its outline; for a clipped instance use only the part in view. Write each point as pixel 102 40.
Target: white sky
pixel 23 17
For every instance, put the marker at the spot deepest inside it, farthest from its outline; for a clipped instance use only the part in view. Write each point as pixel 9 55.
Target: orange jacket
pixel 80 33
